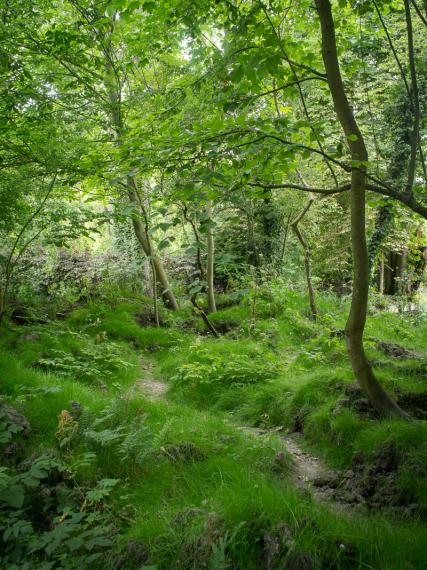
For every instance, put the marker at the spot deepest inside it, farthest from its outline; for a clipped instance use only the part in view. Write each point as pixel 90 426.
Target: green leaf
pixel 13 496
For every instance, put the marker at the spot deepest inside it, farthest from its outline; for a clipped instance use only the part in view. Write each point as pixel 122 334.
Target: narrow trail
pixel 147 384
pixel 308 469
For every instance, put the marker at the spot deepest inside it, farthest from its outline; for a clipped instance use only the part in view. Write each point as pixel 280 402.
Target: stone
pixel 30 337
pixel 76 409
pixel 12 416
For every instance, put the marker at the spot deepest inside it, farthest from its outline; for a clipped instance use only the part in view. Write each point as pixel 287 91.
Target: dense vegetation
pixel 213 311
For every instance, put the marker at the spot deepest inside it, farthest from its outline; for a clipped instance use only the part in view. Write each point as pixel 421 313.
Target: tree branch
pixel 418 11
pixel 415 100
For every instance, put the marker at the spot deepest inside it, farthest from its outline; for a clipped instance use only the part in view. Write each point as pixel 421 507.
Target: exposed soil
pixel 223 327
pixel 309 473
pixel 147 384
pixel 368 483
pixel 307 467
pixel 147 319
pixel 279 550
pixel 375 483
pixel 395 350
pixel 415 403
pixel 184 452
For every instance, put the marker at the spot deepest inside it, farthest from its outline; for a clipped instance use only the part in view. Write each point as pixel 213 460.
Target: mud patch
pixel 414 403
pixel 355 399
pixel 395 350
pixel 279 550
pixel 224 327
pixel 147 319
pixel 375 483
pixel 184 452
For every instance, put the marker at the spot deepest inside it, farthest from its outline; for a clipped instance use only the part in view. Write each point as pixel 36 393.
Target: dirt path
pixel 309 473
pixel 308 470
pixel 148 385
pixel 308 467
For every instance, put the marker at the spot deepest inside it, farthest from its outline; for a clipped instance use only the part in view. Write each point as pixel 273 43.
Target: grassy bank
pixel 174 482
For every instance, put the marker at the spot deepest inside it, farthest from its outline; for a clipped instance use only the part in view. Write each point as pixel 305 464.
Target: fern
pixel 137 443
pixel 160 438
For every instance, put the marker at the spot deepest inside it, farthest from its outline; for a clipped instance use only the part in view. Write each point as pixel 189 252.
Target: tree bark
pixel 307 258
pixel 199 264
pixel 204 317
pixel 381 276
pixel 210 291
pixel 2 304
pixel 144 239
pixel 355 326
pixel 415 101
pixel 285 237
pixel 114 96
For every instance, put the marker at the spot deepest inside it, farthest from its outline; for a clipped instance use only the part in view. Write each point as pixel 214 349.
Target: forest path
pixel 308 469
pixel 147 384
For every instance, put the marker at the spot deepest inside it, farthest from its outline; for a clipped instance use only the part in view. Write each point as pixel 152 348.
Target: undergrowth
pixel 124 482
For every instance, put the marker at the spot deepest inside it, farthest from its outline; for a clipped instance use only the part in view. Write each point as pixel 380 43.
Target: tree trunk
pixel 307 258
pixel 285 238
pixel 357 318
pixel 210 291
pixel 201 313
pixel 2 303
pixel 144 239
pixel 381 276
pixel 155 304
pixel 140 228
pixel 199 264
pixel 383 224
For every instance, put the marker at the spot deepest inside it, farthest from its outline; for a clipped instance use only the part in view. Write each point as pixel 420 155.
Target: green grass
pixel 194 489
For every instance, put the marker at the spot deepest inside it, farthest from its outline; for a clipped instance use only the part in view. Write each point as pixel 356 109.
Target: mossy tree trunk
pixel 357 318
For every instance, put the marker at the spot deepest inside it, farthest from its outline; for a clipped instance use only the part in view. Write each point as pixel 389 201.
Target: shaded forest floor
pixel 171 449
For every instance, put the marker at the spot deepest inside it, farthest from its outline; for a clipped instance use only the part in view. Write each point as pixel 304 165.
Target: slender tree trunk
pixel 140 228
pixel 199 264
pixel 204 316
pixel 155 304
pixel 307 258
pixel 415 100
pixel 144 239
pixel 2 303
pixel 359 302
pixel 210 291
pixel 381 276
pixel 382 227
pixel 285 237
